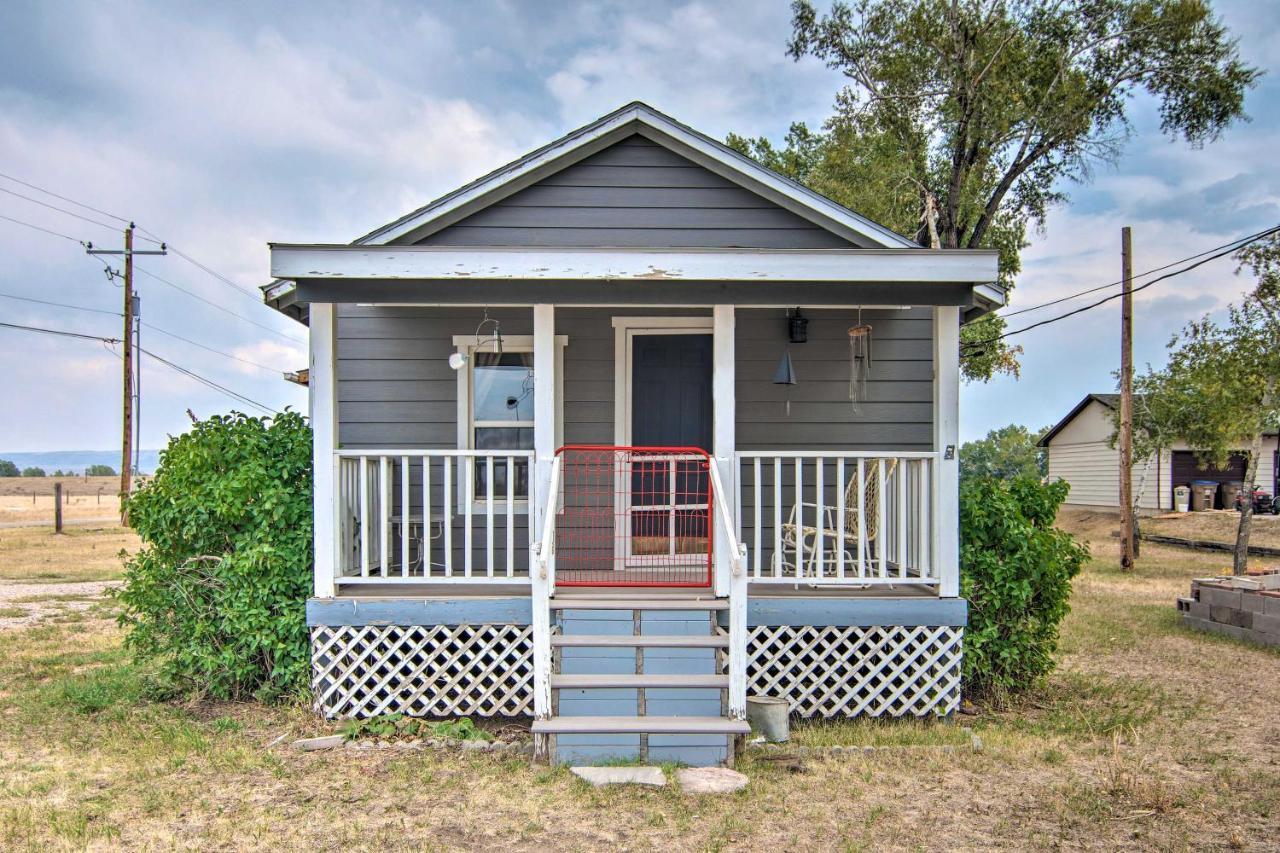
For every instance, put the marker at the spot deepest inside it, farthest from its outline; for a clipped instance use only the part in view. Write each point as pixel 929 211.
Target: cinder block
pixel 1198 610
pixel 1252 601
pixel 1263 638
pixel 1218 597
pixel 1266 623
pixel 1270 602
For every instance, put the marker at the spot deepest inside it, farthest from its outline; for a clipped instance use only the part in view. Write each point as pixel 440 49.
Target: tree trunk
pixel 1241 562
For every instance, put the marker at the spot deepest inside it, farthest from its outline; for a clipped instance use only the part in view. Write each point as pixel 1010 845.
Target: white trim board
pixel 320 261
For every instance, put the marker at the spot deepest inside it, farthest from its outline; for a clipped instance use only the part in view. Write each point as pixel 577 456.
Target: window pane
pixel 502 386
pixel 503 438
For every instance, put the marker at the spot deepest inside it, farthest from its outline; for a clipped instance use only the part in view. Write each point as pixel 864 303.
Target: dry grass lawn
pixel 29 500
pixel 1147 737
pixel 1214 526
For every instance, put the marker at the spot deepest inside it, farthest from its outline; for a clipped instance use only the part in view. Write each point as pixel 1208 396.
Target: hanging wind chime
pixel 859 362
pixel 797 333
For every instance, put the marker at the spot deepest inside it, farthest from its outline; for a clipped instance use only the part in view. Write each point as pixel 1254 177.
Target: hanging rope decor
pixel 859 361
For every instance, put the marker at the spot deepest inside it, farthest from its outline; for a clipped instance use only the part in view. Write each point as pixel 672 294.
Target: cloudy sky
pixel 219 127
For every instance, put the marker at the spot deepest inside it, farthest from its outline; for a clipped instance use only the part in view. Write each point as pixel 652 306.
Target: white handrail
pixel 736 548
pixel 546 545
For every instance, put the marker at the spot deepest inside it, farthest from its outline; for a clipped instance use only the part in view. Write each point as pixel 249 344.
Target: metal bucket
pixel 770 718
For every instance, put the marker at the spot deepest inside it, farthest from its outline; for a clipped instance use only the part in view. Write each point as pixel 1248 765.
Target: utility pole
pixel 130 303
pixel 1127 526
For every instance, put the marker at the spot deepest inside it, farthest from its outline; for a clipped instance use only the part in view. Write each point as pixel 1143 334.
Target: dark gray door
pixel 671 391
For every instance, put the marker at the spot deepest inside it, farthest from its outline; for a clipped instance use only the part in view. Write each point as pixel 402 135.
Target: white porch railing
pixel 432 516
pixel 833 518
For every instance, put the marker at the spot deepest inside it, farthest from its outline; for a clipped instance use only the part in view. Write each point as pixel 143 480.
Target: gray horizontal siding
pixel 395 386
pixel 636 194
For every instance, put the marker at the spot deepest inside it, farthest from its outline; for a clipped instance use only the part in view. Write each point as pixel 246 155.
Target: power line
pixel 1241 240
pixel 183 370
pixel 45 230
pixel 210 383
pixel 60 332
pixel 222 308
pixel 257 298
pixel 58 209
pixel 212 350
pixel 64 198
pixel 1106 299
pixel 61 305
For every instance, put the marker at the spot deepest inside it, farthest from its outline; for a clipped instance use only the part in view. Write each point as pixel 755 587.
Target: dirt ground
pixel 1147 737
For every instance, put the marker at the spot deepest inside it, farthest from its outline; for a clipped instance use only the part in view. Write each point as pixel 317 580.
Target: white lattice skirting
pixel 837 671
pixel 422 670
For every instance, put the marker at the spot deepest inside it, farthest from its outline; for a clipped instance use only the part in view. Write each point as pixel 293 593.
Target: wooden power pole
pixel 127 424
pixel 1127 526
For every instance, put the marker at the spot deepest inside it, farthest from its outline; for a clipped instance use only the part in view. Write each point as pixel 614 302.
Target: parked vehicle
pixel 1263 502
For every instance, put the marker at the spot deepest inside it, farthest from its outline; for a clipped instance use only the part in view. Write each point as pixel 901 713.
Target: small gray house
pixel 624 432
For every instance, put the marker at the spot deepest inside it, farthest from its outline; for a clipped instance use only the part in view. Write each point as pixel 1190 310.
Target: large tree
pixel 1005 454
pixel 963 120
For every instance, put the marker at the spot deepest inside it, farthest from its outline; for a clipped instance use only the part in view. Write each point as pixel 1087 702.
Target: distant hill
pixel 77 460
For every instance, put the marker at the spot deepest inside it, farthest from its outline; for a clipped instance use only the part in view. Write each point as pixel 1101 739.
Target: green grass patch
pixel 12 612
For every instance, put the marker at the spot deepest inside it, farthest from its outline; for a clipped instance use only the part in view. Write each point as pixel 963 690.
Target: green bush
pixel 33 471
pixel 100 471
pixel 1015 570
pixel 216 597
pixel 8 469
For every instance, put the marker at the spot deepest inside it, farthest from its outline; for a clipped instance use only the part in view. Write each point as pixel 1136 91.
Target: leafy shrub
pixel 8 469
pixel 34 471
pixel 1015 570
pixel 99 471
pixel 216 597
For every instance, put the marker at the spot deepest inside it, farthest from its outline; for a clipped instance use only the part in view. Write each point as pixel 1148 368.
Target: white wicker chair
pixel 796 535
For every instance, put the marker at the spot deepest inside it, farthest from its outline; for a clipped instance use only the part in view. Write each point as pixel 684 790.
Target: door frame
pixel 624 331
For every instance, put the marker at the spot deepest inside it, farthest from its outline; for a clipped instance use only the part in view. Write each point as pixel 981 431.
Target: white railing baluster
pixel 841 517
pixel 468 497
pixel 364 517
pixel 901 519
pixel 447 524
pixel 488 516
pixel 799 517
pixel 755 503
pixel 511 514
pixel 404 516
pixel 819 518
pixel 426 517
pixel 777 517
pixel 863 553
pixel 882 533
pixel 384 515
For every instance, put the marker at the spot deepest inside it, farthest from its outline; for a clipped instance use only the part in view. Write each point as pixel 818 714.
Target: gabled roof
pixel 1110 401
pixel 637 117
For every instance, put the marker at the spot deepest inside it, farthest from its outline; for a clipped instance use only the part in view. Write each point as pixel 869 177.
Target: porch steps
pixel 639 678
pixel 647 641
pixel 587 682
pixel 670 603
pixel 641 725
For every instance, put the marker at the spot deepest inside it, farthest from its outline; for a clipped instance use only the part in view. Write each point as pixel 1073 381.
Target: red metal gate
pixel 634 516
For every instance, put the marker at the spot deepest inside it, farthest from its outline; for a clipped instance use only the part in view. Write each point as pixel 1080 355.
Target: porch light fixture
pixel 458 360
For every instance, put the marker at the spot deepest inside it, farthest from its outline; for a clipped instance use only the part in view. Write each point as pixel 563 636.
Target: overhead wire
pixel 138 268
pixel 1233 247
pixel 59 209
pixel 1241 240
pixel 41 228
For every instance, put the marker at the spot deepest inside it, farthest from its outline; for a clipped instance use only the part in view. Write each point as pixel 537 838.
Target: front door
pixel 671 391
pixel 671 407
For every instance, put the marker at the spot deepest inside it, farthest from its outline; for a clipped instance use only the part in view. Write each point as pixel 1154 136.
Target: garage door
pixel 1187 467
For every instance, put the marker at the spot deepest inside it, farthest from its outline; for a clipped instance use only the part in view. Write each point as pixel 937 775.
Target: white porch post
pixel 544 448
pixel 324 441
pixel 946 442
pixel 724 446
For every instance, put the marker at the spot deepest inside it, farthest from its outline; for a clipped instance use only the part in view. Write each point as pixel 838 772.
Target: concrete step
pixel 587 603
pixel 578 682
pixel 639 640
pixel 641 725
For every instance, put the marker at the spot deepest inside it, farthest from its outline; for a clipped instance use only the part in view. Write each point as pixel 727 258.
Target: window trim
pixel 467 345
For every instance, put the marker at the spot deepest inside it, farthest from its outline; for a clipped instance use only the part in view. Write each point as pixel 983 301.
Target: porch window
pixel 502 414
pixel 495 407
